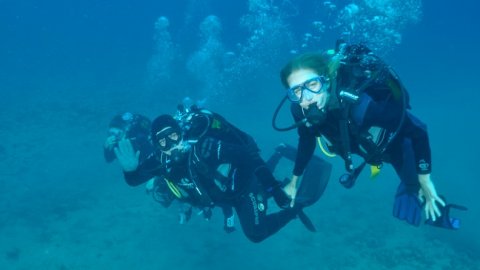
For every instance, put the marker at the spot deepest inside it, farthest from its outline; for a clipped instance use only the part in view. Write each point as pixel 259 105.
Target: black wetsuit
pixel 217 144
pixel 409 152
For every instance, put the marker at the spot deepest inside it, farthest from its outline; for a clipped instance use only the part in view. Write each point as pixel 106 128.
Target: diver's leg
pixel 272 186
pixel 256 224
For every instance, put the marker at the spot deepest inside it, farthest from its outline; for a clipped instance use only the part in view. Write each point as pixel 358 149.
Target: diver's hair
pixel 322 64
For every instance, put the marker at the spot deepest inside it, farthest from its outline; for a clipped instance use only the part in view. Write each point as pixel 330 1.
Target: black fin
pixel 307 222
pixel 314 182
pixel 445 221
pixel 315 177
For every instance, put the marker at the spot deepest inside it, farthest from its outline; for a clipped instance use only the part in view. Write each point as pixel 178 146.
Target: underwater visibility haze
pixel 67 67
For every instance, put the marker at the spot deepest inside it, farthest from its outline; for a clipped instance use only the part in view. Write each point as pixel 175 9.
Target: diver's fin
pixel 281 151
pixel 407 206
pixel 287 151
pixel 315 177
pixel 314 182
pixel 306 221
pixel 272 162
pixel 445 221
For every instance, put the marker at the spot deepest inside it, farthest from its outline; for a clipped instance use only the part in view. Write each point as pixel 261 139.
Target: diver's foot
pixel 281 198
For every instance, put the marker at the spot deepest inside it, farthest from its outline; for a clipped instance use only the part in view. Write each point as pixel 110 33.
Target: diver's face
pixel 168 140
pixel 301 77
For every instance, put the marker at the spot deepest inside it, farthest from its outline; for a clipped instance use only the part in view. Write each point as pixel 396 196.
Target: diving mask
pixel 168 138
pixel 308 88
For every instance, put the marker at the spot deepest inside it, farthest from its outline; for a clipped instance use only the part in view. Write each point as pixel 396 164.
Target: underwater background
pixel 67 67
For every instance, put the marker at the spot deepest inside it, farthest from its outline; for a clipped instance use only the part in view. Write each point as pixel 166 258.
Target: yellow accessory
pixel 325 152
pixel 174 189
pixel 374 171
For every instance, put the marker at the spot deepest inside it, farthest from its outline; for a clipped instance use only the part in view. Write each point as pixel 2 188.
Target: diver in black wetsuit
pixel 136 129
pixel 208 162
pixel 341 96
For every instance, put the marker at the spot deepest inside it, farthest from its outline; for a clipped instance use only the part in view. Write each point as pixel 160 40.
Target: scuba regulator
pixel 313 116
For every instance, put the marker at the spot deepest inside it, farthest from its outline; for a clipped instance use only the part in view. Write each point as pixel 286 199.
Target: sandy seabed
pixel 63 208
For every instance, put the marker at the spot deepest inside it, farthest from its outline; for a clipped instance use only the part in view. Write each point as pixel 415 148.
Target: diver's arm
pixel 306 148
pixel 306 142
pixel 417 131
pixel 141 175
pixel 388 114
pixel 129 160
pixel 291 189
pixel 126 155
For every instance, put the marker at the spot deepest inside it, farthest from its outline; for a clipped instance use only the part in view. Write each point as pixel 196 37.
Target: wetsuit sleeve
pixel 306 147
pixel 387 115
pixel 417 132
pixel 149 168
pixel 306 144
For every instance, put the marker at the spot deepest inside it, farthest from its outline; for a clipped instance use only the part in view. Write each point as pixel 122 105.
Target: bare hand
pixel 126 155
pixel 291 190
pixel 428 194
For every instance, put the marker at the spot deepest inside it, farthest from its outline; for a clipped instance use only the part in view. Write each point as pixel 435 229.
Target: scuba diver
pixel 127 125
pixel 208 162
pixel 136 129
pixel 357 104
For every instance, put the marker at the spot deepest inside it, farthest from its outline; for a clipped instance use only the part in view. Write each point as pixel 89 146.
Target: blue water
pixel 66 67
